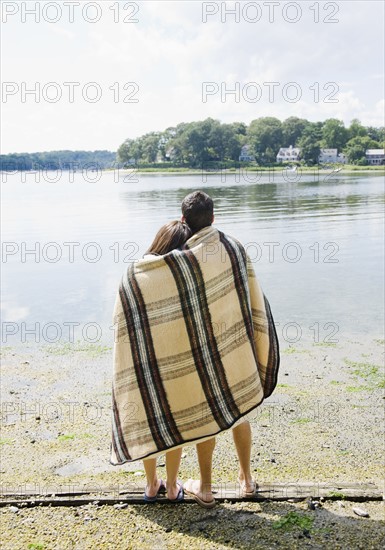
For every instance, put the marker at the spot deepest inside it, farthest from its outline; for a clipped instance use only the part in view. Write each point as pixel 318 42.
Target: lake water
pixel 317 246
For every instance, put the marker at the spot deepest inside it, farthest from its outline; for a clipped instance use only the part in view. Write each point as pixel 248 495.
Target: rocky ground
pixel 324 422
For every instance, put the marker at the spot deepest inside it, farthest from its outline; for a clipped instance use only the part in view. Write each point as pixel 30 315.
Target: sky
pixel 102 72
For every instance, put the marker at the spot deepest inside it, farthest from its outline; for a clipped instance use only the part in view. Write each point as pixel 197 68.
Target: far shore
pixel 374 170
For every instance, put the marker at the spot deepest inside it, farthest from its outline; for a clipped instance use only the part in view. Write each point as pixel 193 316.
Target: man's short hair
pixel 198 210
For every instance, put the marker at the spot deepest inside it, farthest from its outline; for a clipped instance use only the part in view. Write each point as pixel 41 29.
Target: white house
pixel 327 155
pixel 375 156
pixel 245 155
pixel 330 155
pixel 287 154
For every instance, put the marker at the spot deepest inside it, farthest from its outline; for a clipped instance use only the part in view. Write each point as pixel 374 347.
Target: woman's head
pixel 170 236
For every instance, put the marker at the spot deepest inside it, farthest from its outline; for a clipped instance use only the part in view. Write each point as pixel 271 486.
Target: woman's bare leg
pixel 172 468
pixel 152 479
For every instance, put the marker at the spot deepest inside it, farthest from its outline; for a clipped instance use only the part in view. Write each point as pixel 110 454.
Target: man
pixel 198 213
pixel 177 379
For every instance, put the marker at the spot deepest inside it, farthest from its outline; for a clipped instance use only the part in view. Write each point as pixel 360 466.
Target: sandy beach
pixel 324 422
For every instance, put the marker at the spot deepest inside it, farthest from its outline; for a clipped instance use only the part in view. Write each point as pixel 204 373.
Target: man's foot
pixel 248 487
pixel 192 487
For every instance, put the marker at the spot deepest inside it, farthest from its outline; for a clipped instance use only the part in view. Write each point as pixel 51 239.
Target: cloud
pixel 60 31
pixel 169 53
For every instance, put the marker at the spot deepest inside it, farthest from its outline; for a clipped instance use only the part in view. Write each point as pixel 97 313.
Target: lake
pixel 316 242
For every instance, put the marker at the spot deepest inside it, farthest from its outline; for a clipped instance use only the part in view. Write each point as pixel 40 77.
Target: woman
pixel 170 236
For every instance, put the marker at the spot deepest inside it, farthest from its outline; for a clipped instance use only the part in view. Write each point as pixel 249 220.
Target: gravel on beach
pixel 238 525
pixel 323 423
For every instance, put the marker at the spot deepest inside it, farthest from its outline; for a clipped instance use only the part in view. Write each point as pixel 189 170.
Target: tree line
pixel 204 143
pixel 194 144
pixel 58 160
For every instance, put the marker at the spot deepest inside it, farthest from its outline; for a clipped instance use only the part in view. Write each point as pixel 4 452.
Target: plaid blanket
pixel 195 347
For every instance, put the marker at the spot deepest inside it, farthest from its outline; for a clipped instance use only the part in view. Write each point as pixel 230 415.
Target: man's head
pixel 198 210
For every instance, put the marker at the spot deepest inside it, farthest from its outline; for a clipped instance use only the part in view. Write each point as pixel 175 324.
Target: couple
pixel 195 352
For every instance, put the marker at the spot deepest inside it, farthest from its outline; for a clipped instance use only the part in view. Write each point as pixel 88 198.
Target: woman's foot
pixel 192 487
pixel 152 491
pixel 175 492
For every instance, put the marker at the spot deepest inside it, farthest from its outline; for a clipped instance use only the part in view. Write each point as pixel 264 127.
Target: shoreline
pixel 276 169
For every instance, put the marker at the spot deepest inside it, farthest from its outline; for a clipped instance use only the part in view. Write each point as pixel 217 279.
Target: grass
pixel 283 386
pixel 293 519
pixel 291 350
pixel 325 345
pixel 35 546
pixel 6 441
pixel 93 350
pixel 355 389
pixel 370 372
pixel 380 341
pixel 70 437
pixel 66 437
pixel 335 382
pixel 336 494
pixel 301 421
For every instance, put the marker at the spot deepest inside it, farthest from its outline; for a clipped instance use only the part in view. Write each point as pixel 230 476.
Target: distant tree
pixel 265 138
pixel 292 129
pixel 356 147
pixel 57 160
pixel 356 129
pixel 334 134
pixel 229 140
pixel 149 147
pixel 165 139
pixel 129 151
pixel 309 143
pixel 377 134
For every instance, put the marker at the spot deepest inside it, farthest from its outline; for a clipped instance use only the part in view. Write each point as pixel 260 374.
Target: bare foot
pixel 153 489
pixel 248 486
pixel 173 490
pixel 193 488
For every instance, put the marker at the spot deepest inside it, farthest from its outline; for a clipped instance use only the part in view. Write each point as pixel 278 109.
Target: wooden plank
pixel 133 494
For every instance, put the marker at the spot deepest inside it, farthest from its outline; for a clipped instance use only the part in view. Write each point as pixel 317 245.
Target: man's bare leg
pixel 202 488
pixel 242 440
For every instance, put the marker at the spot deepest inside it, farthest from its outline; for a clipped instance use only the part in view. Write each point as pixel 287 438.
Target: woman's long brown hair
pixel 170 236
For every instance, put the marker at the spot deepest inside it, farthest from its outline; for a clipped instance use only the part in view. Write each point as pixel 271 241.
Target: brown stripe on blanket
pixel 189 280
pixel 136 358
pixel 273 361
pixel 237 255
pixel 178 365
pixel 195 417
pixel 118 442
pixel 164 311
pixel 159 415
